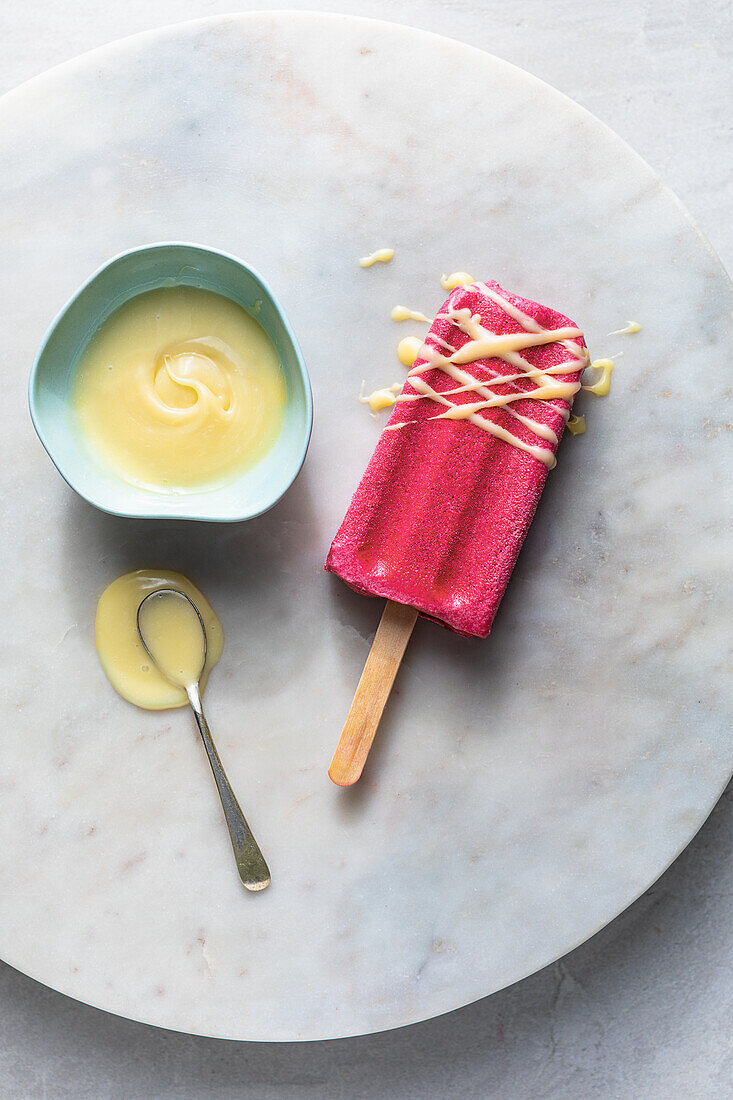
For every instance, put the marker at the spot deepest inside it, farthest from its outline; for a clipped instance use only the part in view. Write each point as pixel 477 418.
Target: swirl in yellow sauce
pixel 179 389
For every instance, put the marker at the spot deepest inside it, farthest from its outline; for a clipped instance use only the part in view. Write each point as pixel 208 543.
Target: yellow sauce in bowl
pixel 179 390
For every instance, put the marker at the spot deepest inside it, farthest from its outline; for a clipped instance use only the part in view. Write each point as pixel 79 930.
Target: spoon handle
pixel 251 865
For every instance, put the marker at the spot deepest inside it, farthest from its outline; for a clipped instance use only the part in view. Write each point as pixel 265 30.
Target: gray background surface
pixel 645 1009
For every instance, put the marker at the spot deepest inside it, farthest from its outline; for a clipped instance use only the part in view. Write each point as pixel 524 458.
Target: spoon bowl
pixel 173 633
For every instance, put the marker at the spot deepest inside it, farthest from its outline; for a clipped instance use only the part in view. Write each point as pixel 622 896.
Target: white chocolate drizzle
pixel 381 256
pixel 402 313
pixel 484 344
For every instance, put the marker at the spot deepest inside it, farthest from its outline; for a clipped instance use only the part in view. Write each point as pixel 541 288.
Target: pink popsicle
pixel 440 515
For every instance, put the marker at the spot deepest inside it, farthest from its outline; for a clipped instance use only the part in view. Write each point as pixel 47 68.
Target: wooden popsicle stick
pixel 380 669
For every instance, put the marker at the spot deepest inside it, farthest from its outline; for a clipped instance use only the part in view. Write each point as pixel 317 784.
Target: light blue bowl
pixel 52 377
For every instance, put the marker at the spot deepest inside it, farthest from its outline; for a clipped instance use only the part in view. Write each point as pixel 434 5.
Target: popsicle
pixel 439 517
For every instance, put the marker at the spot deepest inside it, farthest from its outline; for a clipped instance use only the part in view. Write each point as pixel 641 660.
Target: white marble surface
pixel 449 953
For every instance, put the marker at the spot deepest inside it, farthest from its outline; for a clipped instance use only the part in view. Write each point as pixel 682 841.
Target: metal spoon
pixel 251 864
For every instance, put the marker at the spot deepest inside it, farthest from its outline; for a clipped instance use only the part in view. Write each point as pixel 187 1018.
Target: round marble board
pixel 524 789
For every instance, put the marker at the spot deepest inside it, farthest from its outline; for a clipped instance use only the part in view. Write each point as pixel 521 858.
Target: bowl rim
pixel 201 516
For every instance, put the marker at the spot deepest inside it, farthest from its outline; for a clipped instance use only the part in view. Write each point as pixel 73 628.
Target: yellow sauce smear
pixel 180 389
pixel 124 659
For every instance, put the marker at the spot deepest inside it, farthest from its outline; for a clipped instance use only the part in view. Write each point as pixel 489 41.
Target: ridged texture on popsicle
pixel 440 515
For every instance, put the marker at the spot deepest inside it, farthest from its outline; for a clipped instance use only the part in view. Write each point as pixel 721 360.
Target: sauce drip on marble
pixel 408 350
pixel 381 256
pixel 402 313
pixel 382 398
pixel 458 278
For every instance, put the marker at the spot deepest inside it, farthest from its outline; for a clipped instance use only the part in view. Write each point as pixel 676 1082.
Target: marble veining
pixel 524 789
